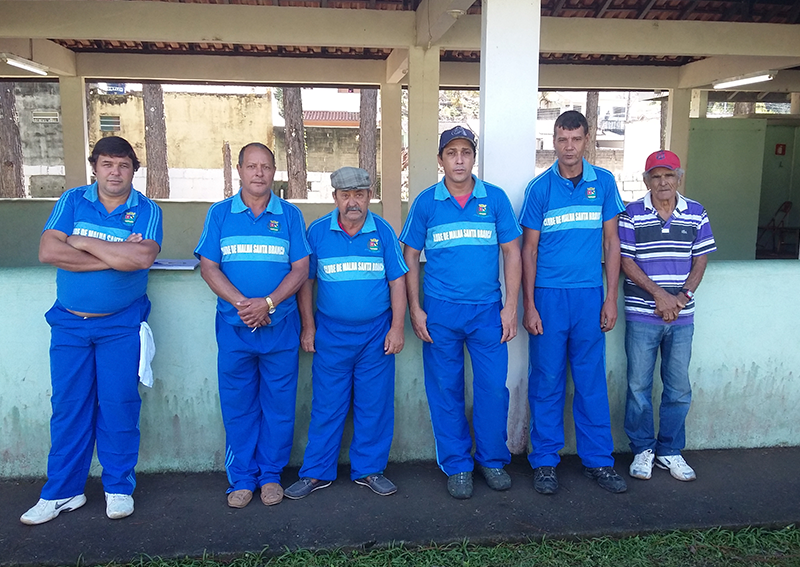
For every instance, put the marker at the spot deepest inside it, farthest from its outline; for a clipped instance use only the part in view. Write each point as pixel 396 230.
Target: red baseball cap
pixel 662 158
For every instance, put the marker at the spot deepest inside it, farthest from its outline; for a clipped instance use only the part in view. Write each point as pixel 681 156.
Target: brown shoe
pixel 271 494
pixel 239 498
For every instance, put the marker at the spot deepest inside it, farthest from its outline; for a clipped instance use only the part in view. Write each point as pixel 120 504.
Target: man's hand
pixel 508 317
pixel 667 306
pixel 532 321
pixel 419 320
pixel 134 237
pixel 394 341
pixel 307 335
pixel 253 311
pixel 608 315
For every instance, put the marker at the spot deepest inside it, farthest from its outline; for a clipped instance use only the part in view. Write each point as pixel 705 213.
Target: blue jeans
pixel 642 343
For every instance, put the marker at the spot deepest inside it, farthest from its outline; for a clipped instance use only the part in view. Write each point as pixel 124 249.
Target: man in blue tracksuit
pixel 570 218
pixel 361 305
pixel 254 255
pixel 103 238
pixel 463 224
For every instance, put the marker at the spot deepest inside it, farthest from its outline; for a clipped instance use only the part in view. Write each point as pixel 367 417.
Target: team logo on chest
pixel 483 208
pixel 274 226
pixel 128 218
pixel 374 245
pixel 591 193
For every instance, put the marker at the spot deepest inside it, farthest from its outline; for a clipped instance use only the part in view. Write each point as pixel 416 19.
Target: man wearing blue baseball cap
pixel 665 240
pixel 358 328
pixel 463 224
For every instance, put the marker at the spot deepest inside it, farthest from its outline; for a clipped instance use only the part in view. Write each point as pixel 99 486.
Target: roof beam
pixel 435 17
pixel 136 67
pixel 612 36
pixel 703 73
pixel 645 10
pixel 397 65
pixel 218 23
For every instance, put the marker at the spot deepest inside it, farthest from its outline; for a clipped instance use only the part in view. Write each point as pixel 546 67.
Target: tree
pixel 227 170
pixel 155 141
pixel 592 102
pixel 12 183
pixel 295 142
pixel 367 134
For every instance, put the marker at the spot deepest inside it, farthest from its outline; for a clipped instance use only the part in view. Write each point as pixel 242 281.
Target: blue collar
pixel 91 195
pixel 274 205
pixel 369 222
pixel 442 194
pixel 588 171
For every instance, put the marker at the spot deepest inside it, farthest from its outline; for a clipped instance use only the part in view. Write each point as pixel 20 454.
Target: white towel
pixel 147 350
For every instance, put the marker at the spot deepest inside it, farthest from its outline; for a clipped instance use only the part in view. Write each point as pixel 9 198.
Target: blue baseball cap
pixel 457 133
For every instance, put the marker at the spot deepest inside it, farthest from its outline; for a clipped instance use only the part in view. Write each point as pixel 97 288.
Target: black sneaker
pixel 545 480
pixel 378 483
pixel 304 487
pixel 459 485
pixel 607 478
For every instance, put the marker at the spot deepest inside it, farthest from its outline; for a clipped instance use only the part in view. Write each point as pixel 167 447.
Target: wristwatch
pixel 270 304
pixel 688 293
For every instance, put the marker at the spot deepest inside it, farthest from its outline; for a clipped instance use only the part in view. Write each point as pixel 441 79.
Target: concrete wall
pixel 22 221
pixel 744 370
pixel 724 174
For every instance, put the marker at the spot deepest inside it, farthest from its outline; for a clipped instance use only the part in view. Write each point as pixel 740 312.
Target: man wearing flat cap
pixel 665 240
pixel 357 330
pixel 463 224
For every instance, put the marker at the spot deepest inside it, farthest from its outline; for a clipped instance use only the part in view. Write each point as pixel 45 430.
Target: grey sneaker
pixel 496 478
pixel 46 510
pixel 607 478
pixel 545 480
pixel 642 465
pixel 304 487
pixel 378 483
pixel 118 506
pixel 459 485
pixel 676 466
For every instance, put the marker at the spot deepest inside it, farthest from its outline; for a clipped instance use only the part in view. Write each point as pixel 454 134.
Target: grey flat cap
pixel 350 178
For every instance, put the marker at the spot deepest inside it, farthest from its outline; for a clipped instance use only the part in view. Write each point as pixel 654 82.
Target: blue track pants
pixel 571 324
pixel 451 326
pixel 350 364
pixel 94 366
pixel 257 393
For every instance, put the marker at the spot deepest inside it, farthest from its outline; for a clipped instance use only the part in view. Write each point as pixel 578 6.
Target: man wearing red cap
pixel 664 241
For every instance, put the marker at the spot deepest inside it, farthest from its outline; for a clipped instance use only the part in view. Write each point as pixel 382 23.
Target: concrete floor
pixel 180 515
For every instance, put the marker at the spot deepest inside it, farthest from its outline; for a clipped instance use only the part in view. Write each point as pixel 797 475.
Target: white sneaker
pixel 642 465
pixel 119 505
pixel 46 510
pixel 676 466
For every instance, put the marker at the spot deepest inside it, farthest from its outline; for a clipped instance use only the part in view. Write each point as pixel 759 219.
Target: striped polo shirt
pixel 664 251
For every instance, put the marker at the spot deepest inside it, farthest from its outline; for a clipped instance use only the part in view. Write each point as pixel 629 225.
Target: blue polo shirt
pixel 461 244
pixel 570 219
pixel 80 212
pixel 254 253
pixel 353 272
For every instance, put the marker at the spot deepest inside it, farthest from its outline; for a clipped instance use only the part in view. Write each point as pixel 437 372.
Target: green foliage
pixel 708 548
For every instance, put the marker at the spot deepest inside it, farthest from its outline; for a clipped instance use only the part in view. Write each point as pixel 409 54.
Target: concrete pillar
pixel 507 150
pixel 423 118
pixel 680 102
pixel 699 108
pixel 391 150
pixel 795 107
pixel 73 126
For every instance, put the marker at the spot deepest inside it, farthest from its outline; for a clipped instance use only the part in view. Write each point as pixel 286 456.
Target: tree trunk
pixel 227 171
pixel 592 101
pixel 12 183
pixel 367 136
pixel 155 141
pixel 744 108
pixel 295 143
pixel 664 116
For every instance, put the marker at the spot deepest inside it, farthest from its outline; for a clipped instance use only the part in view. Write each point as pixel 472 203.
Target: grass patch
pixel 707 548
